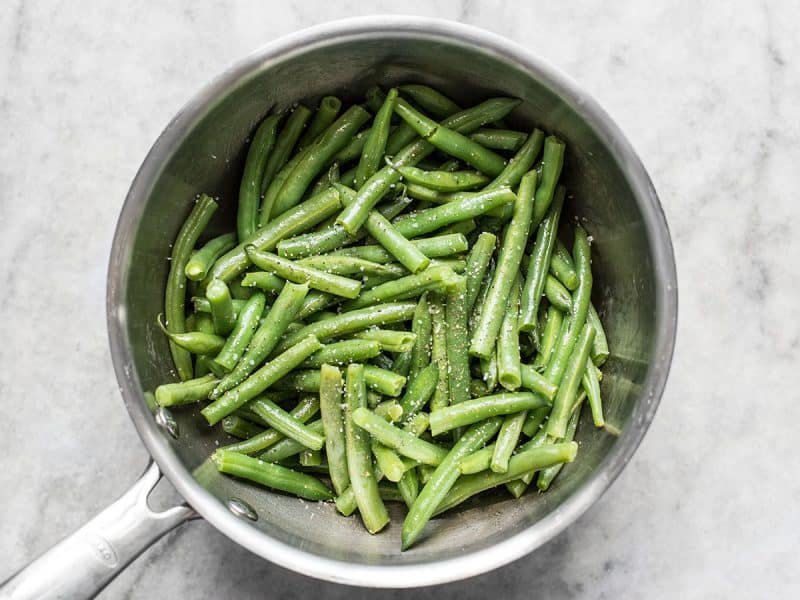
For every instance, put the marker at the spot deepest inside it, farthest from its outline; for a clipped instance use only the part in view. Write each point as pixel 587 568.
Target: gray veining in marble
pixel 709 96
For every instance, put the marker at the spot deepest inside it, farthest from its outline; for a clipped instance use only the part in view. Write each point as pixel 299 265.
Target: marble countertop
pixel 708 506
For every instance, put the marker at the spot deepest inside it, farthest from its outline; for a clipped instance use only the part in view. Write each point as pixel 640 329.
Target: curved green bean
pixel 202 260
pixel 196 342
pixel 557 295
pixel 562 267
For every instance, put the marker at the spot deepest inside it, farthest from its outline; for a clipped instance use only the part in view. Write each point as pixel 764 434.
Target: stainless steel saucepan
pixel 202 150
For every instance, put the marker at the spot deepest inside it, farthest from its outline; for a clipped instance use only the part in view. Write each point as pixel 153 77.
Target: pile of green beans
pixel 393 317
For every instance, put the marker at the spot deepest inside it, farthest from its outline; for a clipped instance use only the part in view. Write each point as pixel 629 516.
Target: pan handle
pixel 85 562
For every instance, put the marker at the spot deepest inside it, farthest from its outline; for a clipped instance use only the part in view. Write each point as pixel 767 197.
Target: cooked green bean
pixel 196 342
pixel 532 380
pixel 450 141
pixel 250 188
pixel 522 462
pixel 443 478
pixel 430 99
pixel 271 475
pixel 353 149
pixel 185 392
pixel 591 385
pixel 462 227
pixel 264 340
pixel 401 363
pixel 536 279
pixel 600 344
pixel 219 298
pixel 345 265
pixel 420 355
pixel 379 380
pixel 477 265
pixel 521 162
pixel 245 327
pixel 547 475
pixel 268 282
pixel 369 194
pixel 389 462
pixel 484 336
pixel 408 486
pixel 552 327
pixel 284 144
pixel 175 294
pixel 293 221
pixel 326 114
pixel 557 295
pixel 508 359
pixel 240 428
pixel 288 447
pixel 260 380
pixel 303 411
pixel 443 181
pixel 375 145
pixel 457 340
pixel 342 353
pixel 478 409
pixel 389 410
pixel 330 405
pixel 359 458
pixel 432 247
pixel 562 267
pixel 441 395
pixel 499 139
pixel 411 286
pixel 389 339
pixel 535 420
pixel 201 261
pixel 203 306
pixel 552 162
pixel 419 391
pixel 282 421
pixel 580 308
pixel 568 388
pixel 507 440
pixel 489 370
pixel 404 442
pixel 292 271
pixel 477 461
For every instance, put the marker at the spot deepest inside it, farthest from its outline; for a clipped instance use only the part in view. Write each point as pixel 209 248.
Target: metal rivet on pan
pixel 167 422
pixel 242 509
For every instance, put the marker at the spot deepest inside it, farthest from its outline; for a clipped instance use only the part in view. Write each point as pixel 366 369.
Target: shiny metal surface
pixel 202 150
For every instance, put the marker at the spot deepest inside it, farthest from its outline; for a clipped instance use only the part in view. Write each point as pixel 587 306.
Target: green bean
pixel 271 475
pixel 185 392
pixel 451 141
pixel 536 279
pixel 408 486
pixel 532 380
pixel 442 181
pixel 520 463
pixel 388 461
pixel 477 264
pixel 521 162
pixel 389 339
pixel 219 298
pixel 457 340
pixel 353 149
pixel 508 359
pixel 327 179
pixel 344 265
pixel 359 459
pixel 246 413
pixel 430 99
pixel 411 286
pixel 419 391
pixel 250 188
pixel 196 342
pixel 389 410
pixel 282 421
pixel 535 420
pixel 568 388
pixel 557 294
pixel 485 335
pixel 264 340
pixel 478 461
pixel 203 306
pixel 246 324
pixel 175 294
pixel 374 98
pixel 239 428
pixel 600 344
pixel 591 385
pixel 201 261
pixel 333 236
pixel 552 162
pixel 330 404
pixel 580 307
pixel 302 412
pixel 292 222
pixel 326 114
pixel 205 364
pixel 562 267
pixel 312 458
pixel 462 227
pixel 478 409
pixel 379 380
pixel 292 271
pixel 477 388
pixel 352 321
pixel 425 472
pixel 342 353
pixel 499 139
pixel 547 475
pixel 260 380
pixel 404 442
pixel 287 447
pixel 443 478
pixel 489 370
pixel 335 137
pixel 441 395
pixel 420 355
pixel 286 140
pixel 268 282
pixel 402 363
pixel 472 205
pixel 375 146
pixel 353 217
pixel 432 247
pixel 417 424
pixel 507 440
pixel 549 337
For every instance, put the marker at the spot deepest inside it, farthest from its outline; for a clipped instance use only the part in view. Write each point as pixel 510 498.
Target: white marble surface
pixel 707 94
